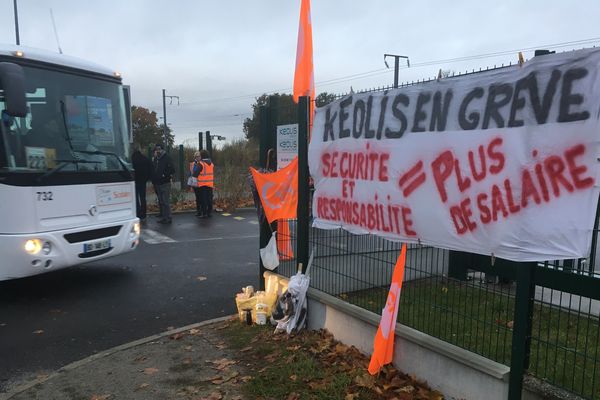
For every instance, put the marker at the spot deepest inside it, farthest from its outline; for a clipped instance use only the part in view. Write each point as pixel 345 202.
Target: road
pixel 182 273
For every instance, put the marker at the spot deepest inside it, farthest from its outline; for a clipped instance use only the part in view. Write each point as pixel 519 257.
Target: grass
pixel 312 365
pixel 565 348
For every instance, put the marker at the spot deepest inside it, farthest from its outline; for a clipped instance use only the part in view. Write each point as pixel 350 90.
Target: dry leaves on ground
pixel 333 359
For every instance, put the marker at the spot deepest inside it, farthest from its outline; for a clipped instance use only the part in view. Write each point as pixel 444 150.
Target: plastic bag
pixel 291 308
pixel 269 255
pixel 192 182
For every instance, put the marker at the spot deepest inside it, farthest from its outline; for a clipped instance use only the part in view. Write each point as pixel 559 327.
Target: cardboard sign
pixel 501 162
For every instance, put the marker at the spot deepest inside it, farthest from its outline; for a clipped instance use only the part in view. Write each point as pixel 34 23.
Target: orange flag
pixel 384 339
pixel 304 80
pixel 278 191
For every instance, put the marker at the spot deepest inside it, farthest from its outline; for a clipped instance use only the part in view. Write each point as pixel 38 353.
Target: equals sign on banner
pixel 412 179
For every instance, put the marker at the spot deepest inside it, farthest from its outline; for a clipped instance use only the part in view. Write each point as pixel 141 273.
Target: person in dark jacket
pixel 143 173
pixel 163 171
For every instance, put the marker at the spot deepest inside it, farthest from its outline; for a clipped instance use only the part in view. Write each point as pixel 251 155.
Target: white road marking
pixel 152 237
pixel 253 222
pixel 239 218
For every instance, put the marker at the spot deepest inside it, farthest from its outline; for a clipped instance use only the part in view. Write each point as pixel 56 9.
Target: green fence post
pixel 181 163
pixel 266 115
pixel 521 338
pixel 209 143
pixel 302 213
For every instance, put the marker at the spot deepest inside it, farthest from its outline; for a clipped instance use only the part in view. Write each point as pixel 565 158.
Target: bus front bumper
pixel 31 254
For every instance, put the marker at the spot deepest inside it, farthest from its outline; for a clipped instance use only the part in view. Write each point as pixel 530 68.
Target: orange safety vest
pixel 206 177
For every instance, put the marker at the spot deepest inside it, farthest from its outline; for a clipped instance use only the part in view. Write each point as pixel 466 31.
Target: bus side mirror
pixel 12 81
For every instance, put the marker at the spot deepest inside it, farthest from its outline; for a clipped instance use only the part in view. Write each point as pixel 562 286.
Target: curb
pixel 193 211
pixel 106 353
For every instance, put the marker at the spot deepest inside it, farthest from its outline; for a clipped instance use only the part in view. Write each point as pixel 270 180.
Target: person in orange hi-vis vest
pixel 204 171
pixel 383 348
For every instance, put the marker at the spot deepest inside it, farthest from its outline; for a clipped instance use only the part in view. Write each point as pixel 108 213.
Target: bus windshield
pixel 73 123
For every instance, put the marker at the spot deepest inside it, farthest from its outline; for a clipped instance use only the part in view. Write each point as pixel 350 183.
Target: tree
pixel 287 111
pixel 324 98
pixel 146 131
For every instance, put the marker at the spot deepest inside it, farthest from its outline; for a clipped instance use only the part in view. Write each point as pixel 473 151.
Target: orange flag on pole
pixel 383 350
pixel 304 80
pixel 278 191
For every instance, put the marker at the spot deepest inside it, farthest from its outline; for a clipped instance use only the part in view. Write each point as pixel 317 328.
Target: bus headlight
pixel 33 246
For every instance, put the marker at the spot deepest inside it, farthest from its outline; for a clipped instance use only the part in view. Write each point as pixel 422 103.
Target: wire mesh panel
pixel 476 313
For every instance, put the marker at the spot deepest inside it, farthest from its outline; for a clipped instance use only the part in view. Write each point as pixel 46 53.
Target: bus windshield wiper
pixel 108 153
pixel 63 111
pixel 64 163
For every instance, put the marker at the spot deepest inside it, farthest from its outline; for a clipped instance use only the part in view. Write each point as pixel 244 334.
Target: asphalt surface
pixel 181 274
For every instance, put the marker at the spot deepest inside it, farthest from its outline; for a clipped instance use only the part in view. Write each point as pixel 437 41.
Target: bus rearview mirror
pixel 12 82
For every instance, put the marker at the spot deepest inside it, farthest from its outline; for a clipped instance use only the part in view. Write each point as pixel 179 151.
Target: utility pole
pixel 165 129
pixel 16 22
pixel 396 65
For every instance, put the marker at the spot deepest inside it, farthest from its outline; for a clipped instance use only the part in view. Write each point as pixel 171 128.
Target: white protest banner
pixel 501 162
pixel 287 144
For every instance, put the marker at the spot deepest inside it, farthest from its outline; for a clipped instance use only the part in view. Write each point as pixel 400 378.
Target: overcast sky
pixel 217 56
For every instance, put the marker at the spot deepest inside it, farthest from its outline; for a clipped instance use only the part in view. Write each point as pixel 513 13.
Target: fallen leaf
pixel 102 397
pixel 294 348
pixel 245 349
pixel 140 359
pixel 365 380
pixel 38 332
pixel 318 385
pixel 186 361
pixel 222 363
pixel 213 396
pixel 212 378
pixel 194 331
pixel 188 348
pixel 293 378
pixel 246 378
pixel 142 386
pixel 293 396
pixel 406 389
pixel 177 336
pixel 150 371
pixel 341 348
pixel 351 396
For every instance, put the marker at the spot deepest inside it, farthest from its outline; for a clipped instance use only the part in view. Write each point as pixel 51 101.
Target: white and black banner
pixel 502 162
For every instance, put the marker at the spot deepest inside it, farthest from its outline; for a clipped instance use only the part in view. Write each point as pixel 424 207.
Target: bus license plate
pixel 95 246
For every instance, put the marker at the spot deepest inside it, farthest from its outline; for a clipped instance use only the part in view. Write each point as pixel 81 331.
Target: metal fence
pixel 540 319
pixel 475 311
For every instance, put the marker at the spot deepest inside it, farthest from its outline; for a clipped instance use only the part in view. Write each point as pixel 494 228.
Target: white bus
pixel 66 194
